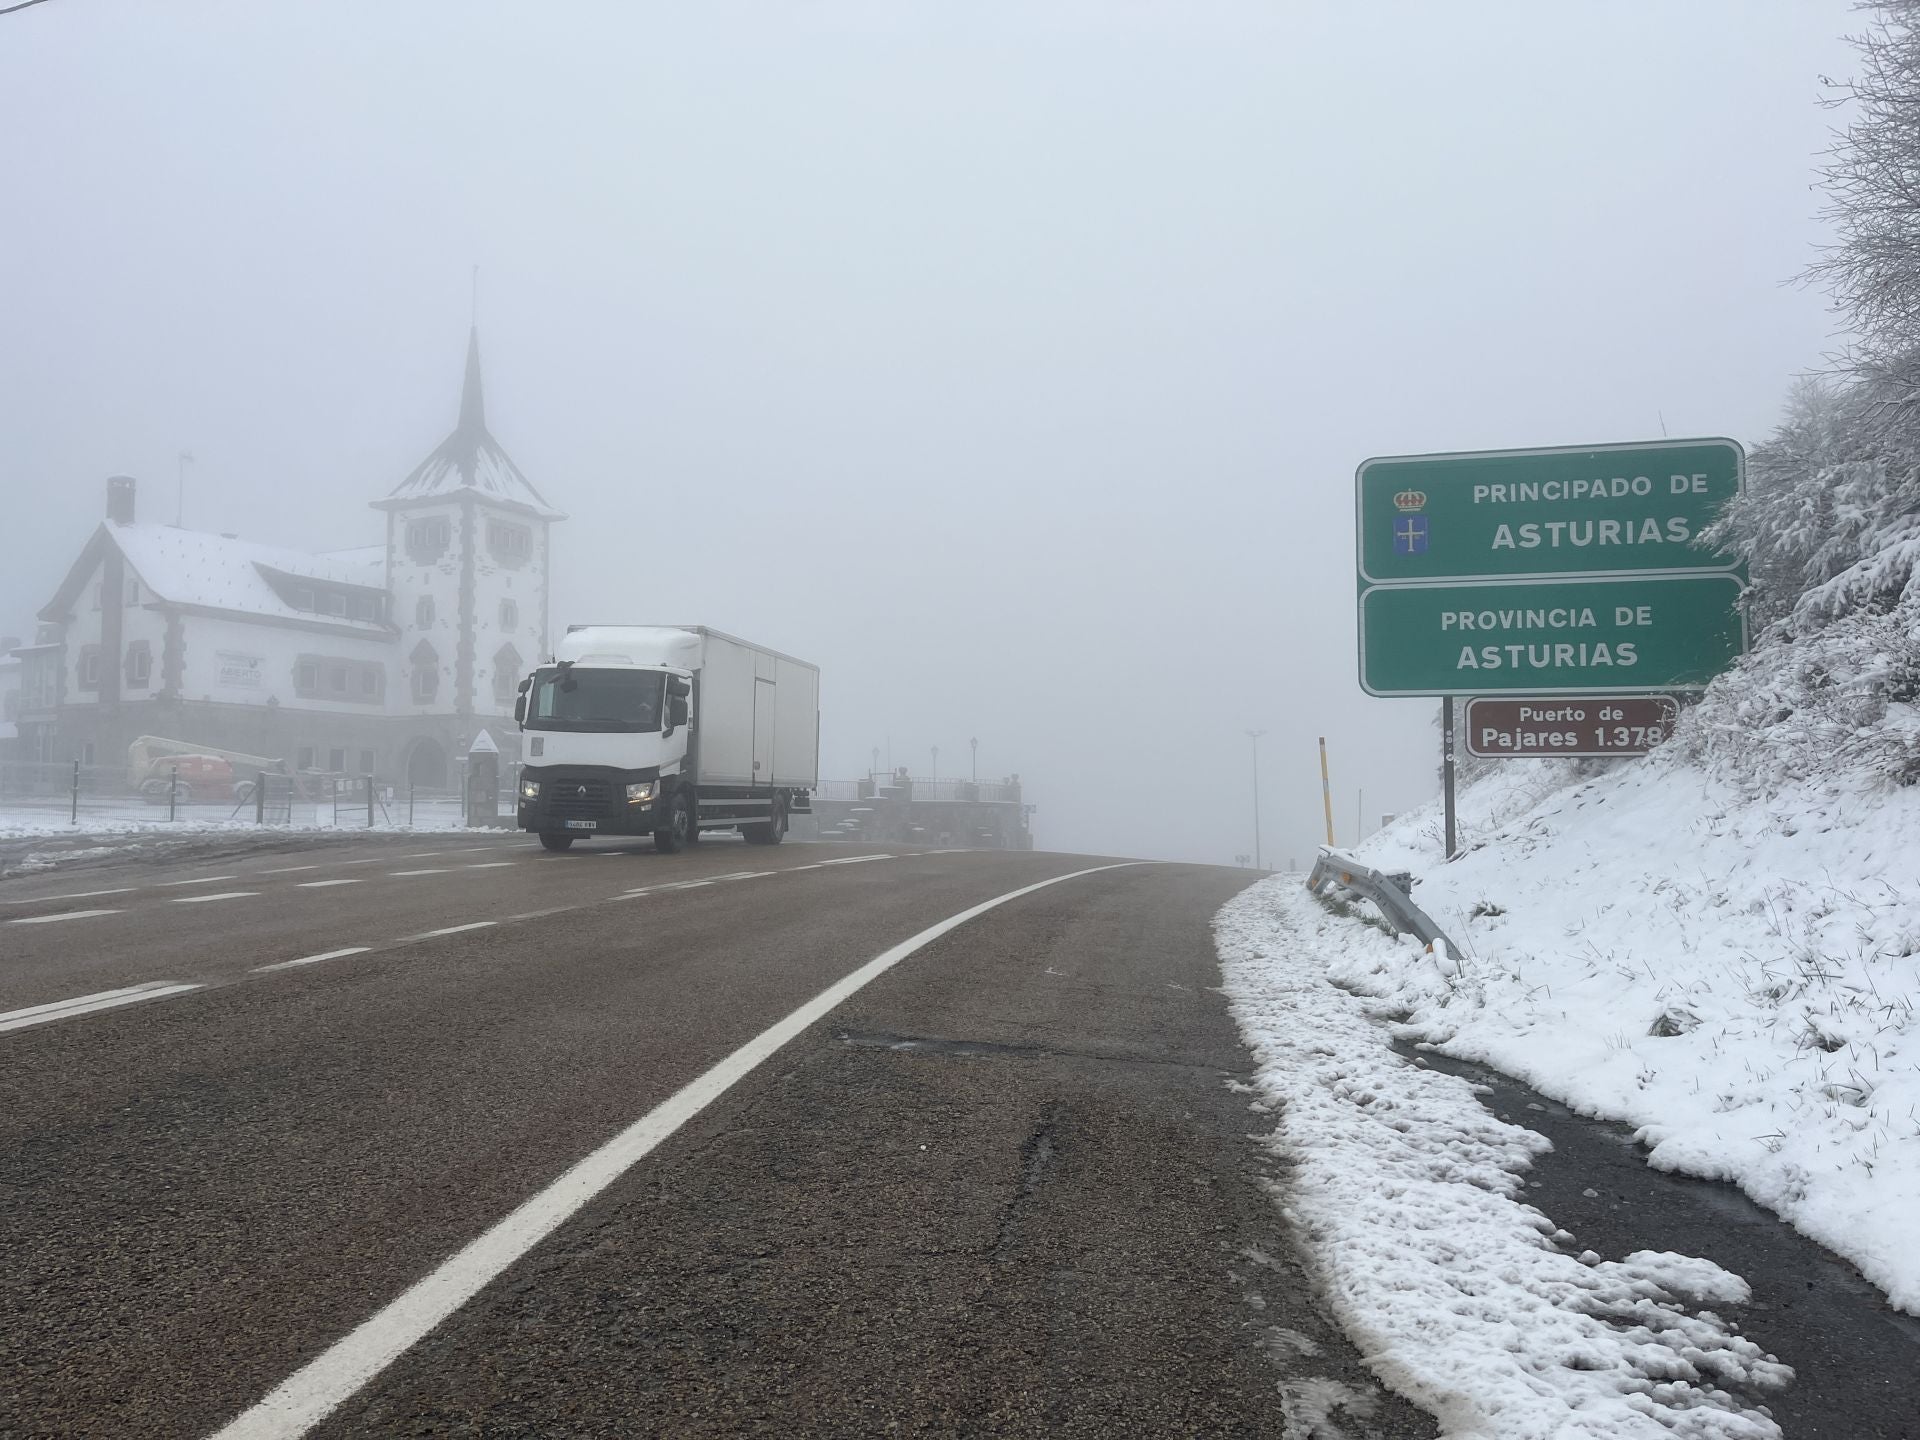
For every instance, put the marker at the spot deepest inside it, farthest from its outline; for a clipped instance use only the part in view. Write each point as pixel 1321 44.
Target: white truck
pixel 666 731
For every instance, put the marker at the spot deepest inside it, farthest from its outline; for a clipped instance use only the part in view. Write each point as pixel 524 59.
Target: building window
pixel 428 538
pixel 89 667
pixel 366 762
pixel 354 682
pixel 86 753
pixel 509 615
pixel 365 607
pixel 506 674
pixel 303 759
pixel 303 598
pixel 369 680
pixel 510 544
pixel 425 676
pixel 133 592
pixel 423 612
pixel 139 665
pixel 337 679
pixel 306 677
pixel 337 760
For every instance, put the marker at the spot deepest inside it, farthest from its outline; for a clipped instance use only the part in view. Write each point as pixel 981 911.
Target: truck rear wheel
pixel 555 842
pixel 770 833
pixel 681 828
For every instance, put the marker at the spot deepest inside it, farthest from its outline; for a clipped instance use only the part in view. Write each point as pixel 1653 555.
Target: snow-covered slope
pixel 1724 953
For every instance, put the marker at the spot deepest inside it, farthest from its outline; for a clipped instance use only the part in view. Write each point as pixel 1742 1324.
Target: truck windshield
pixel 580 699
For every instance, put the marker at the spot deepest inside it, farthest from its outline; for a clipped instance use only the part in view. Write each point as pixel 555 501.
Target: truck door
pixel 764 692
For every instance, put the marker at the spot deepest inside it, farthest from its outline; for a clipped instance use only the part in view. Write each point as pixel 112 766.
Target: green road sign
pixel 1587 636
pixel 1585 510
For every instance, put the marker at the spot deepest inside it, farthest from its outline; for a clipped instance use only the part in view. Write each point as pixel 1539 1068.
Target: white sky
pixel 1010 360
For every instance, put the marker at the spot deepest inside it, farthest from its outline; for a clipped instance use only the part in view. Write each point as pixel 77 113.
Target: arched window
pixel 506 674
pixel 425 676
pixel 509 615
pixel 423 612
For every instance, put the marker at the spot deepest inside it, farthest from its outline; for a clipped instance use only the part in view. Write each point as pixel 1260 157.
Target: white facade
pixel 387 659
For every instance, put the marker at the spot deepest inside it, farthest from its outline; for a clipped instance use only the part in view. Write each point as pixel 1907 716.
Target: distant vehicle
pixel 206 773
pixel 666 731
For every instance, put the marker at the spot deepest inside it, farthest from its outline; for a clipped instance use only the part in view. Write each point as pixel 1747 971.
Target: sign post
pixel 1541 574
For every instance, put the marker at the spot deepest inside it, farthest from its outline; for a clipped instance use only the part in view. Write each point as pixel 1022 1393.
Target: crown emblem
pixel 1410 499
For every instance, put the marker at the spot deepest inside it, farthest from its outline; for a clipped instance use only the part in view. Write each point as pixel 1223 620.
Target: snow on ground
pixel 1408 1194
pixel 1734 973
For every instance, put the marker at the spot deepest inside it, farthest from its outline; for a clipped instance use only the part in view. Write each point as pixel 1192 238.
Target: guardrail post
pixel 74 818
pixel 173 792
pixel 409 805
pixel 260 797
pixel 369 802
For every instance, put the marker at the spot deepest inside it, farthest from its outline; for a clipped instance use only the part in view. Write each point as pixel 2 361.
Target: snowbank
pixel 1733 970
pixel 1407 1193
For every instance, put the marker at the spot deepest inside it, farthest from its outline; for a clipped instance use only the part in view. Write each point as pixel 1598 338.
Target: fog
pixel 1011 362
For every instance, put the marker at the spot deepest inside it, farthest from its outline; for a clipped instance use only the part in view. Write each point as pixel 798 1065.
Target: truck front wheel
pixel 555 842
pixel 679 830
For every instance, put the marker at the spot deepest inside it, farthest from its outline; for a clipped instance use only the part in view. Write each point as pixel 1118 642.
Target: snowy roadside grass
pixel 1407 1194
pixel 95 839
pixel 1736 976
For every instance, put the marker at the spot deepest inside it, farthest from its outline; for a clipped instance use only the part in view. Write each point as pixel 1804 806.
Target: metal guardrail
pixel 1389 894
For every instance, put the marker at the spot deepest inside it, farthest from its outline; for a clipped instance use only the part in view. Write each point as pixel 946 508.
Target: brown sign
pixel 1502 729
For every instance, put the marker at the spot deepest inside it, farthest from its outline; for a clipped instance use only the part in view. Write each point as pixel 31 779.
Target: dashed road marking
pixel 323 884
pixel 857 859
pixel 313 959
pixel 289 869
pixel 74 895
pixel 64 915
pixel 199 880
pixel 221 895
pixel 398 873
pixel 87 1004
pixel 318 1388
pixel 490 864
pixel 456 929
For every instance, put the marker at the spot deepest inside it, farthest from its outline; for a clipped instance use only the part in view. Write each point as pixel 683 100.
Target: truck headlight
pixel 641 793
pixel 529 789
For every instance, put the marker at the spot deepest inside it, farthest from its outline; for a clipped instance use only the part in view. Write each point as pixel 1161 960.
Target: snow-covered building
pixel 385 660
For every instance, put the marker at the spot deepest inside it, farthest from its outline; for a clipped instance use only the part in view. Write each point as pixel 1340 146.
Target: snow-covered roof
pixel 216 572
pixel 470 460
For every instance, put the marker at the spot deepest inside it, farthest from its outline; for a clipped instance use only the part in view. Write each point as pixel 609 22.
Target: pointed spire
pixel 473 410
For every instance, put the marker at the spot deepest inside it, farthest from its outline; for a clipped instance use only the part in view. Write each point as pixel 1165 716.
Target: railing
pixel 967 792
pixel 42 796
pixel 1335 869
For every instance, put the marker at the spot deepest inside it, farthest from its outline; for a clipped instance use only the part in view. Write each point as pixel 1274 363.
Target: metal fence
pixel 40 796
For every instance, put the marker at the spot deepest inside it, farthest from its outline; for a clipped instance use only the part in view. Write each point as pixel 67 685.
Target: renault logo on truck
pixel 581 792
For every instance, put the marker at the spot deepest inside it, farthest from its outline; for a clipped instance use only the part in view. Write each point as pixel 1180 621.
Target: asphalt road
pixel 1004 1187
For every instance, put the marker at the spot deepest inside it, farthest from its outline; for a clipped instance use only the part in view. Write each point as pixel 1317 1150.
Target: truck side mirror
pixel 676 711
pixel 520 708
pixel 678 686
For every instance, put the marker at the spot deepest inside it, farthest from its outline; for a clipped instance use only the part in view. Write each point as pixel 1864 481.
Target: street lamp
pixel 1254 736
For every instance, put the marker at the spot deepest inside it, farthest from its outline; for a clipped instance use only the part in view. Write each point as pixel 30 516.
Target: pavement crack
pixel 935 1045
pixel 1037 1153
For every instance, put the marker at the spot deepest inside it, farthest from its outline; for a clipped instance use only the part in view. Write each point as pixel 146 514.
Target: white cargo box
pixel 756 712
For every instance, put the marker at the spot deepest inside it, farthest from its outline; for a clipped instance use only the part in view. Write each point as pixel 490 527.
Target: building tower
pixel 467 570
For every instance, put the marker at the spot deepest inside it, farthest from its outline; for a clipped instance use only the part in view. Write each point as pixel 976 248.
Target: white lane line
pixel 397 873
pixel 472 849
pixel 75 895
pixel 222 895
pixel 289 869
pixel 456 929
pixel 312 959
pixel 374 860
pixel 323 884
pixel 858 859
pixel 67 915
pixel 201 880
pixel 319 1387
pixel 87 1004
pixel 490 864
pixel 424 855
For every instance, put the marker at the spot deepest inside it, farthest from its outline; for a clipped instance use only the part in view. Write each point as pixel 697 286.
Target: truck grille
pixel 578 799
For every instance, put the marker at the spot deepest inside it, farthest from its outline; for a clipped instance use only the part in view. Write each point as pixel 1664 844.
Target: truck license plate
pixel 583 824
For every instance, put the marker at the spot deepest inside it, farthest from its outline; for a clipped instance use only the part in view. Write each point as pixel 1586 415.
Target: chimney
pixel 120 499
